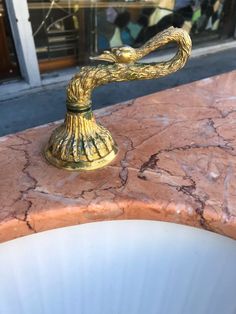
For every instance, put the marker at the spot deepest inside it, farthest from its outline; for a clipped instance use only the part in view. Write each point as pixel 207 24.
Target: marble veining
pixel 177 163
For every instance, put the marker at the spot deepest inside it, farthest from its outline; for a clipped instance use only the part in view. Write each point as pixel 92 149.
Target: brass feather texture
pixel 82 144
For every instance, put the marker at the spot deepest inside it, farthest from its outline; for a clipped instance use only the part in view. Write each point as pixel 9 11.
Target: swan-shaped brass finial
pixel 82 144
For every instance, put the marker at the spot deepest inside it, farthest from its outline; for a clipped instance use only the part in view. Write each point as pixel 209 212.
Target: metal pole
pixel 24 42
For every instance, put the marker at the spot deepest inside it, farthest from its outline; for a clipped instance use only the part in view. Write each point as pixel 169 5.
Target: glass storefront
pixel 67 32
pixel 134 25
pixel 8 60
pixel 58 28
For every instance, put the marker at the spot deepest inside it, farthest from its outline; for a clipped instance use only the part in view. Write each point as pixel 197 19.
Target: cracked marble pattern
pixel 177 163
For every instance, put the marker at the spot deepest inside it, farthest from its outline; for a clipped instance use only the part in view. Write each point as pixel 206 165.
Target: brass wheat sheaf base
pixel 82 144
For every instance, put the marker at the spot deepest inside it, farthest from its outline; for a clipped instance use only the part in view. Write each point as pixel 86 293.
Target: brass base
pixel 80 144
pixel 80 165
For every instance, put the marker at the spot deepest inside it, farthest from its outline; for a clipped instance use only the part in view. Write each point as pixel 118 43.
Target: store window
pixel 133 23
pixel 8 60
pixel 66 33
pixel 58 29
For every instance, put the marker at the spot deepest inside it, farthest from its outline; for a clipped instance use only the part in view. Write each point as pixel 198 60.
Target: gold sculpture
pixel 82 144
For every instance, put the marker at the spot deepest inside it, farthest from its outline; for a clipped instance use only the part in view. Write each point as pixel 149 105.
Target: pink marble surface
pixel 177 163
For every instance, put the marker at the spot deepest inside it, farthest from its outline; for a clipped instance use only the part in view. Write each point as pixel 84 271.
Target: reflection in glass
pixel 66 33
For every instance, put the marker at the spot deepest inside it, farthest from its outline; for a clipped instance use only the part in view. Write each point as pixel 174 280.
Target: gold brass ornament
pixel 82 144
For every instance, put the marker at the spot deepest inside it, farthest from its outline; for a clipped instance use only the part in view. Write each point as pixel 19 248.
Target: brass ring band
pixel 77 110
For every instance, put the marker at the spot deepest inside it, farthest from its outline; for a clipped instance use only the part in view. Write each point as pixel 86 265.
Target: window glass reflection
pixel 66 33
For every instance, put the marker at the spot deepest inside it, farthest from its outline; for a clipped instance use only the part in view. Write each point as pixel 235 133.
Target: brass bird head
pixel 124 54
